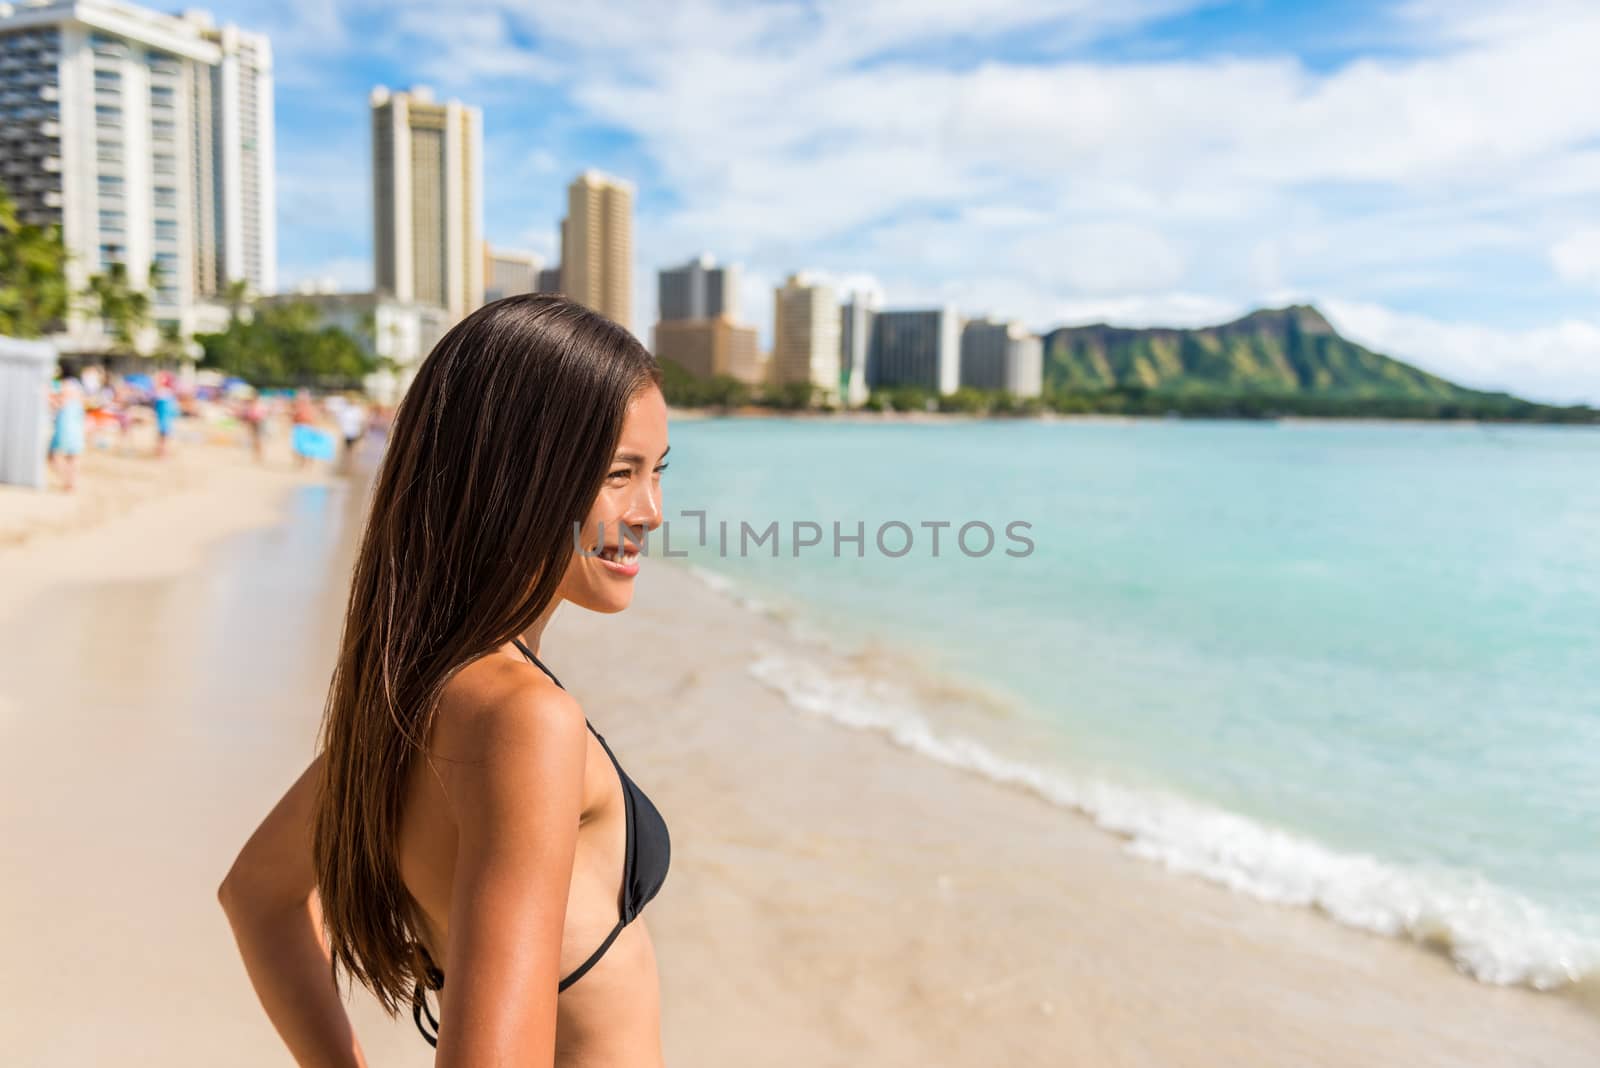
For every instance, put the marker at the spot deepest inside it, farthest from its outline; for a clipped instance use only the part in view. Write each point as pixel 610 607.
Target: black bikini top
pixel 646 854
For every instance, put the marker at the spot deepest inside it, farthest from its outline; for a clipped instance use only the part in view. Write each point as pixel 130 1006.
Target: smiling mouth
pixel 617 555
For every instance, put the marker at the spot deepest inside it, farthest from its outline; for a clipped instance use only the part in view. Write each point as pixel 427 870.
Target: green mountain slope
pixel 1274 351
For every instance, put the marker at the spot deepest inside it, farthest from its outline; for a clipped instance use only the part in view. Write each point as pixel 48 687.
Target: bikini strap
pixel 419 1009
pixel 432 979
pixel 536 661
pixel 594 957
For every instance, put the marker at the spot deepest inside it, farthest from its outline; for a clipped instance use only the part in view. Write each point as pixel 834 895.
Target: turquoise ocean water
pixel 1355 667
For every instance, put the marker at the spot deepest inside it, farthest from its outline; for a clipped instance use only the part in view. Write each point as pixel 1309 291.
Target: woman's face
pixel 629 505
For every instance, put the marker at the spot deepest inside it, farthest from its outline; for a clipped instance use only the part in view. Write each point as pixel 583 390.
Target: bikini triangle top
pixel 647 851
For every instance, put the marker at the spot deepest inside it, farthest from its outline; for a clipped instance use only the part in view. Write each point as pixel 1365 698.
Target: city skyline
pixel 1421 171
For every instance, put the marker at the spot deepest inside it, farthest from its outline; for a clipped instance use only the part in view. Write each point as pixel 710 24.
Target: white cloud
pixel 1559 364
pixel 1577 256
pixel 1182 190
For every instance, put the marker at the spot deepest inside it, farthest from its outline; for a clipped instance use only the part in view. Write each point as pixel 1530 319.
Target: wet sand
pixel 833 899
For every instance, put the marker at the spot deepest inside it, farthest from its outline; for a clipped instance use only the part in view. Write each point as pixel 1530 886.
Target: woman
pixel 307 441
pixel 66 439
pixel 465 830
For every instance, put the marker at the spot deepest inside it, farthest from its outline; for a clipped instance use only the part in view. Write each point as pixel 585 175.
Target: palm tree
pixel 170 347
pixel 123 310
pixel 236 294
pixel 33 274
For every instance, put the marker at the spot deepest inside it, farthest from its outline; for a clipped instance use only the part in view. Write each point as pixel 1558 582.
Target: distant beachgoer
pixel 66 442
pixel 166 409
pixel 462 804
pixel 352 419
pixel 304 410
pixel 308 442
pixel 253 413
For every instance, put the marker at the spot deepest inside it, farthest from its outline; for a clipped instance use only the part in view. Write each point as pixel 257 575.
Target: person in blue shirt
pixel 166 408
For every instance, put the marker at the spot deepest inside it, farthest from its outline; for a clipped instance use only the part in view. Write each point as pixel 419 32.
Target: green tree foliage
pixel 122 309
pixel 237 296
pixel 33 275
pixel 1486 407
pixel 968 401
pixel 790 396
pixel 900 399
pixel 283 345
pixel 683 390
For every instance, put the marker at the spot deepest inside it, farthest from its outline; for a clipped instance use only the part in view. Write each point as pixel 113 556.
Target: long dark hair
pixel 501 444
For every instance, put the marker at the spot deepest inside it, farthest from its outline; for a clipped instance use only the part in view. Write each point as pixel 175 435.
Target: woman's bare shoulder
pixel 496 707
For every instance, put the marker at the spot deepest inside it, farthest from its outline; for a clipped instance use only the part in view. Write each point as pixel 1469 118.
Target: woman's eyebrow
pixel 635 458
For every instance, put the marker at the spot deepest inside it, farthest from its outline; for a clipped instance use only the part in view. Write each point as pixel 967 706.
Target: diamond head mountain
pixel 1276 351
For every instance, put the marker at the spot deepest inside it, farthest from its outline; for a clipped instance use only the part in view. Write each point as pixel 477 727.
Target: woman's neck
pixel 535 631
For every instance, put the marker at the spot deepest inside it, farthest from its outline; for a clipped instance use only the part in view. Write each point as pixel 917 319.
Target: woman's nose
pixel 644 510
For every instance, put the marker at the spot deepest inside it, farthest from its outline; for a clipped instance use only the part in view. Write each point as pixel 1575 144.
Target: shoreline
pixel 980 918
pixel 172 508
pixel 1493 933
pixel 1106 418
pixel 834 897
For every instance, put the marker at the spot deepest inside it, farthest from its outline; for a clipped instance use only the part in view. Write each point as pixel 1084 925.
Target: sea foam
pixel 1490 933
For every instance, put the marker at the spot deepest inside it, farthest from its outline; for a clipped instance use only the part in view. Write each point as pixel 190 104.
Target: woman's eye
pixel 662 468
pixel 619 474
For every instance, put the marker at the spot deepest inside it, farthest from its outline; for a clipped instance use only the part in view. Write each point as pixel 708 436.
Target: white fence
pixel 26 368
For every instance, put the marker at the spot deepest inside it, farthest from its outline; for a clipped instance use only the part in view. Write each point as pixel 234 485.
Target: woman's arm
pixel 516 798
pixel 271 902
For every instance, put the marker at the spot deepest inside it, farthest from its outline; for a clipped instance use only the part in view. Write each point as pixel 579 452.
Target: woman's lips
pixel 622 563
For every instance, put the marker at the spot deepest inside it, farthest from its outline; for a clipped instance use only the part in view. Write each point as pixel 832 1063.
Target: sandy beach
pixel 159 512
pixel 833 900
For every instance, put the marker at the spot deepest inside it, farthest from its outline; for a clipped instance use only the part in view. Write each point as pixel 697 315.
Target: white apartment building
pixel 805 336
pixel 149 139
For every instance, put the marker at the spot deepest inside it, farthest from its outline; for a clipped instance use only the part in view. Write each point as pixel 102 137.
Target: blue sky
pixel 1426 171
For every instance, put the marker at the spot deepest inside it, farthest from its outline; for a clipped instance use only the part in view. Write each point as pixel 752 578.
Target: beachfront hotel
pixel 698 290
pixel 427 198
pixel 148 138
pixel 805 336
pixel 1002 355
pixel 507 273
pixel 707 347
pixel 916 348
pixel 698 326
pixel 597 245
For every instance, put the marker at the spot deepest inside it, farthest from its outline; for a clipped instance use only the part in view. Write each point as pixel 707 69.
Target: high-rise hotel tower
pixel 597 245
pixel 148 138
pixel 427 198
